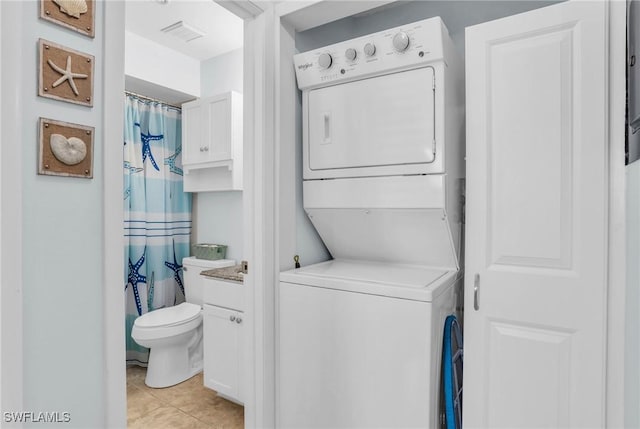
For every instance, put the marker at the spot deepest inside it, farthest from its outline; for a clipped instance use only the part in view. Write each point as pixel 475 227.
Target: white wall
pixel 221 73
pixel 62 244
pixel 148 61
pixel 632 332
pixel 218 215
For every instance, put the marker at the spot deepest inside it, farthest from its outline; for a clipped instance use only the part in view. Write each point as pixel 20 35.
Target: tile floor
pixel 188 405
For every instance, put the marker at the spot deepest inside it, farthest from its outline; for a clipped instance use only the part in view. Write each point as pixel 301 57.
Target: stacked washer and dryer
pixel 360 336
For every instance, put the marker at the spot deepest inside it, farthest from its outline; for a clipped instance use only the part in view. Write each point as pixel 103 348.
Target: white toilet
pixel 174 334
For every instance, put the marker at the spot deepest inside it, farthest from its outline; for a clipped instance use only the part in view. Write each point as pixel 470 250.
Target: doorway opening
pixel 176 52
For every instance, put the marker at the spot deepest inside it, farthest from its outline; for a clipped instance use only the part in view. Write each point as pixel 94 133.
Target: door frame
pixel 257 126
pixel 617 277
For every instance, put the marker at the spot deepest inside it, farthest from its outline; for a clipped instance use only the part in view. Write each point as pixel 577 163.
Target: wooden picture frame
pixel 76 15
pixel 65 74
pixel 60 147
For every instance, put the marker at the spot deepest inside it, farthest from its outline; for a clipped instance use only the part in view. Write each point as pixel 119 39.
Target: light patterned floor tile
pixel 167 417
pixel 139 402
pixel 186 405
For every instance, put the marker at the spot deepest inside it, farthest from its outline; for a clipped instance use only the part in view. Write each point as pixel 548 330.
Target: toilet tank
pixel 193 281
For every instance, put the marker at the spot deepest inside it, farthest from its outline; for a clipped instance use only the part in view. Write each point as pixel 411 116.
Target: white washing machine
pixel 360 336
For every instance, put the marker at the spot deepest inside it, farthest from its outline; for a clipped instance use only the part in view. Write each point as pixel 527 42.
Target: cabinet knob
pixel 232 318
pixel 238 320
pixel 206 148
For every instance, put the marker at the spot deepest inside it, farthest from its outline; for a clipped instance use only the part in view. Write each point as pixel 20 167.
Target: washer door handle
pixel 476 292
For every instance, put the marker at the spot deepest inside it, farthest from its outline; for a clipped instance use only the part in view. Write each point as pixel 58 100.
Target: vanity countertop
pixel 227 273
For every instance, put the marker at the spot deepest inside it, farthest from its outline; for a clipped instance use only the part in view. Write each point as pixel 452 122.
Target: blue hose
pixel 452 368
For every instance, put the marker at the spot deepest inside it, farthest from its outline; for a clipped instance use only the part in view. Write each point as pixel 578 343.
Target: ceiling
pixel 223 29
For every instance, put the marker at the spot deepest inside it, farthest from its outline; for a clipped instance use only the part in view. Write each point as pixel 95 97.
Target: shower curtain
pixel 157 213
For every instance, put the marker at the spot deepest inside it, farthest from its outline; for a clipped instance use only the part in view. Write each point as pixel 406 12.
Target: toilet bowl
pixel 173 335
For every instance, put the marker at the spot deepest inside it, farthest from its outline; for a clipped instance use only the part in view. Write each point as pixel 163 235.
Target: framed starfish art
pixel 77 15
pixel 65 74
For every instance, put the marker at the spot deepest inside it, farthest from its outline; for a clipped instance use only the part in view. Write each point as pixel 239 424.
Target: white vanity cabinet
pixel 223 338
pixel 212 143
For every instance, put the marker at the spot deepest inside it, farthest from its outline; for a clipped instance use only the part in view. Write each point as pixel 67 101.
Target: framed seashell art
pixel 65 74
pixel 78 15
pixel 65 149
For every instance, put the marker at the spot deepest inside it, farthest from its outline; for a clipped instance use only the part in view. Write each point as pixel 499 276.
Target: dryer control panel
pixel 405 47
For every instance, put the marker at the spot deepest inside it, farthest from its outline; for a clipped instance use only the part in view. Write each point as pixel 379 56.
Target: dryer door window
pixel 380 121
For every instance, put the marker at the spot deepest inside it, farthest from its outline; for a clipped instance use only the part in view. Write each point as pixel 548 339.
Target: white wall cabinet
pixel 536 245
pixel 223 338
pixel 212 143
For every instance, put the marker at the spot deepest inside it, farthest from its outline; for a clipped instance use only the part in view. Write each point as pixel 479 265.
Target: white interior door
pixel 537 219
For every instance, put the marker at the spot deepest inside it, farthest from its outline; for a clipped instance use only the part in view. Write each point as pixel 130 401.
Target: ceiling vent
pixel 184 31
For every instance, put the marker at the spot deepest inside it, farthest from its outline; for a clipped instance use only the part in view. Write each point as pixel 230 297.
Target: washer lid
pixel 415 282
pixel 170 316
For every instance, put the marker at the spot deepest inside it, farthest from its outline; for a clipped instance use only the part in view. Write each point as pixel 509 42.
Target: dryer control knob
pixel 369 49
pixel 325 61
pixel 351 54
pixel 401 41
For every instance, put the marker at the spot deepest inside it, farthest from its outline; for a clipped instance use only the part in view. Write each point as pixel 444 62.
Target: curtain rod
pixel 144 97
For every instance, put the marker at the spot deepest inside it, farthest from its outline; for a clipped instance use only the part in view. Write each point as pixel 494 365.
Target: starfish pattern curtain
pixel 157 220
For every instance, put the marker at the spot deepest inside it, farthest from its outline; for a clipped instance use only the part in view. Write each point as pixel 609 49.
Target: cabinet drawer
pixel 223 293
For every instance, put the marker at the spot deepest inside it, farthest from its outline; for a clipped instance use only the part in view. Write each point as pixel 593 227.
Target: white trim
pixel 303 15
pixel 247 10
pixel 252 113
pixel 615 376
pixel 286 154
pixel 11 206
pixel 259 75
pixel 113 298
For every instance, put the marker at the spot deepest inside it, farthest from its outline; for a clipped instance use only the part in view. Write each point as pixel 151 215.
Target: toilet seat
pixel 170 316
pixel 167 322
